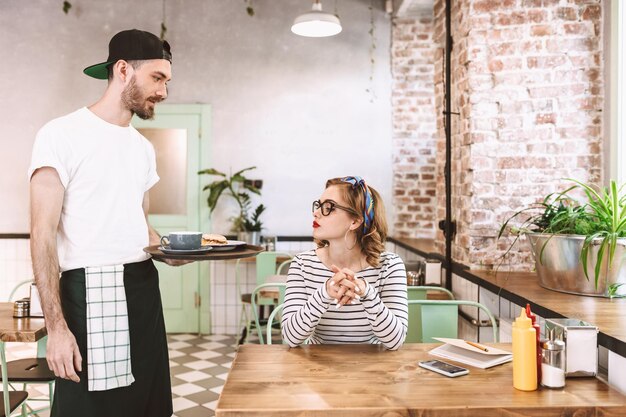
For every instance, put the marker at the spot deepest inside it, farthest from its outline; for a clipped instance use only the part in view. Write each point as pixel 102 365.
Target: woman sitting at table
pixel 347 290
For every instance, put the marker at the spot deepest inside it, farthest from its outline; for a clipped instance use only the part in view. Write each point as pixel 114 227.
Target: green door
pixel 175 204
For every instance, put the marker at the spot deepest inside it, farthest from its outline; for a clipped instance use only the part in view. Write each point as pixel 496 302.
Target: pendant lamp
pixel 316 23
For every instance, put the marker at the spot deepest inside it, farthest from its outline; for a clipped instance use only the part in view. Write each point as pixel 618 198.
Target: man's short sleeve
pixel 153 177
pixel 49 152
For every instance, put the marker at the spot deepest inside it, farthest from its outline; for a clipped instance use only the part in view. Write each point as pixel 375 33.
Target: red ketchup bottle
pixel 533 318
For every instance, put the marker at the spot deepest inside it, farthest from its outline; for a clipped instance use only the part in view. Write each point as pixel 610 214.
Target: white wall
pixel 296 108
pixel 15 267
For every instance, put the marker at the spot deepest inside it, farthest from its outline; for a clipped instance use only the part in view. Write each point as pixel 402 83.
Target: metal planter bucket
pixel 253 238
pixel 560 268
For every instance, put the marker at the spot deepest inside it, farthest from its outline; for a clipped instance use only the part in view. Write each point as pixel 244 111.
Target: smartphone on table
pixel 443 368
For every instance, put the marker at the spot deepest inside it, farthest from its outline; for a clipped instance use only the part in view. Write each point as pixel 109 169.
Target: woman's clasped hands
pixel 344 287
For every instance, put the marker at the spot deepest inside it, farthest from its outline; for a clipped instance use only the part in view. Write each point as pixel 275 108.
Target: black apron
pixel 151 394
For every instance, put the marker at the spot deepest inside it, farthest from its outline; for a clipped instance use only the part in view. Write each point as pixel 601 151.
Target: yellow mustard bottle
pixel 524 354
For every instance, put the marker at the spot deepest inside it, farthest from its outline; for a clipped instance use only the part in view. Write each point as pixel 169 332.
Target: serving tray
pixel 243 251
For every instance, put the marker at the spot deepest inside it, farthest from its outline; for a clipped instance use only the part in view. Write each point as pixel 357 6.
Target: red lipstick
pixel 315 225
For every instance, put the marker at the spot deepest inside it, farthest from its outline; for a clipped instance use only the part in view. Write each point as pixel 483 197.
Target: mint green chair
pixel 440 318
pixel 255 295
pixel 270 322
pixel 265 267
pixel 414 332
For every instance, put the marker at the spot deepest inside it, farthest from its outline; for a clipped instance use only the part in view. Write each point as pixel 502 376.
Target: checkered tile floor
pixel 198 365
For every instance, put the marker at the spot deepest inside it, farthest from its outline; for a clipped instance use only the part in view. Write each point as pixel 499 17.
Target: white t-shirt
pixel 105 169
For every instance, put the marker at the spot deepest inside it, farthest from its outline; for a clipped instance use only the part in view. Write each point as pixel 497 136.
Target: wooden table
pixel 365 380
pixel 19 330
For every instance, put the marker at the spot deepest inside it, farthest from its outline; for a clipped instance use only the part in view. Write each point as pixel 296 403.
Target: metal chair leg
pixel 51 393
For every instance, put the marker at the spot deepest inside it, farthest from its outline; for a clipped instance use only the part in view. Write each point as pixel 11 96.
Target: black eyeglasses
pixel 328 206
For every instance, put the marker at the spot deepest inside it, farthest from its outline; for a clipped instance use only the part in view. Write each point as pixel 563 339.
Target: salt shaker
pixel 412 278
pixel 553 363
pixel 21 308
pixel 270 243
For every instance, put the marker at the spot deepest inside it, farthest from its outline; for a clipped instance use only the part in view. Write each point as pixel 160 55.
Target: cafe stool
pixel 32 370
pixel 35 370
pixel 15 398
pixel 11 400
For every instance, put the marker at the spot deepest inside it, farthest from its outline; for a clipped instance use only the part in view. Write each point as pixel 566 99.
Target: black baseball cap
pixel 130 45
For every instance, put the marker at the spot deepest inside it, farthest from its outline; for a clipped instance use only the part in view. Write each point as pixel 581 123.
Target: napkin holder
pixel 581 345
pixel 432 272
pixel 35 302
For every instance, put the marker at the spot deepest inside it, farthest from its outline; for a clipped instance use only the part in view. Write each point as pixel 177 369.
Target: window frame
pixel 617 92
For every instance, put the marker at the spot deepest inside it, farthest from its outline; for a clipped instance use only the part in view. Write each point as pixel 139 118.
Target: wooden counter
pixel 523 287
pixel 424 247
pixel 366 380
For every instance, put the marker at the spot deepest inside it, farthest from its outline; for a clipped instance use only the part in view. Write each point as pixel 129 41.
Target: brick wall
pixel 527 82
pixel 414 131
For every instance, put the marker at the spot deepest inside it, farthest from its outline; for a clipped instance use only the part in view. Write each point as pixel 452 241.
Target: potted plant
pixel 573 241
pixel 247 224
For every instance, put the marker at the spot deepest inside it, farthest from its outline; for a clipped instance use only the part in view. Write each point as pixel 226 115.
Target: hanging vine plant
pixel 163 27
pixel 66 6
pixel 372 34
pixel 249 8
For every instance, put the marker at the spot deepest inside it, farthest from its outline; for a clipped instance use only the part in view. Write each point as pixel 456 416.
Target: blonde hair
pixel 372 243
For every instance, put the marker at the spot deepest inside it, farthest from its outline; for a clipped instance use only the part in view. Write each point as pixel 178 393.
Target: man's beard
pixel 134 100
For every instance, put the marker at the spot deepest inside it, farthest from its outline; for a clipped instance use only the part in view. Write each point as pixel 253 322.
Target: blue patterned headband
pixel 368 210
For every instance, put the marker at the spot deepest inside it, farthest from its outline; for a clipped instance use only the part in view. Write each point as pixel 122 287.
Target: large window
pixel 617 88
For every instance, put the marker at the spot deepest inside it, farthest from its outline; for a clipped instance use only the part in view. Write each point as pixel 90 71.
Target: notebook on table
pixel 460 351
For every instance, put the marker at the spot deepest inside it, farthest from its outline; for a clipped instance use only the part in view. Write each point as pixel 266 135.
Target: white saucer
pixel 168 250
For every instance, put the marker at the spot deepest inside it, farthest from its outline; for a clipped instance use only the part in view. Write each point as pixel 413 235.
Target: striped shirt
pixel 380 316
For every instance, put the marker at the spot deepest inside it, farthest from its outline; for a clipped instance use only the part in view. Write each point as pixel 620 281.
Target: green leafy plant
pixel 238 187
pixel 601 219
pixel 557 213
pixel 249 223
pixel 613 288
pixel 607 207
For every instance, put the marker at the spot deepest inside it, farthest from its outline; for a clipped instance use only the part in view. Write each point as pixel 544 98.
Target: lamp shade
pixel 316 23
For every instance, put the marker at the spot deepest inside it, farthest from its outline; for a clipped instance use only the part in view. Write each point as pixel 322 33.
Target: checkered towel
pixel 108 338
